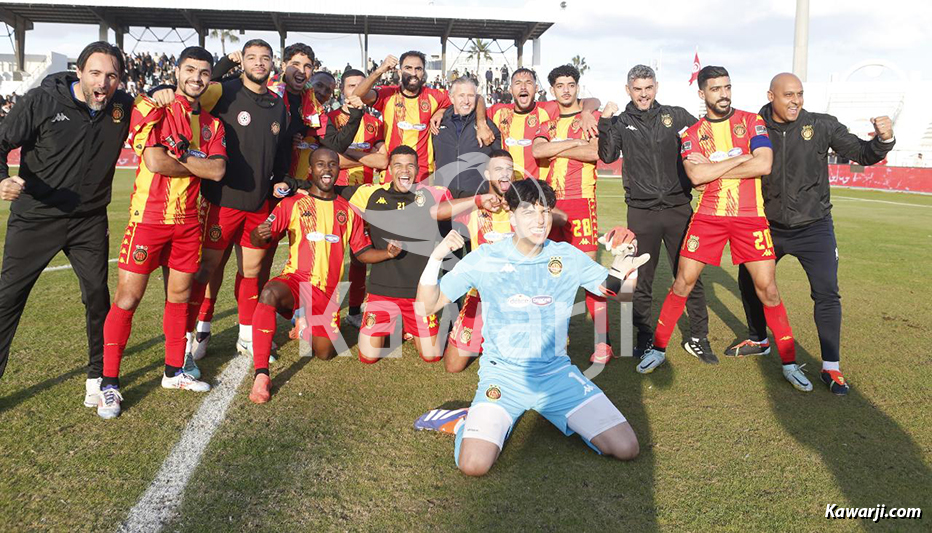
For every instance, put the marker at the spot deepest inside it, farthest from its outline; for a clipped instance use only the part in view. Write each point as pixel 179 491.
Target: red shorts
pixel 582 224
pixel 148 246
pixel 467 331
pixel 749 238
pixel 382 311
pixel 321 312
pixel 225 225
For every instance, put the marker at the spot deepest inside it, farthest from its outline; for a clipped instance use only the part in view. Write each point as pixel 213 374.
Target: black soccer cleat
pixel 702 350
pixel 835 381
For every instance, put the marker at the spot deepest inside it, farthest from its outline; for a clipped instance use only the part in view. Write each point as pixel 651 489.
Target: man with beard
pixel 518 122
pixel 797 202
pixel 361 163
pixel 231 215
pixel 409 108
pixel 657 192
pixel 399 211
pixel 573 155
pixel 320 227
pixel 725 154
pixel 484 226
pixel 71 130
pixel 178 145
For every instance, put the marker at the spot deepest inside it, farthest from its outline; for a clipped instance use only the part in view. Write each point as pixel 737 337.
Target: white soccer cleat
pixel 92 392
pixel 108 405
pixel 794 374
pixel 650 360
pixel 244 347
pixel 190 367
pixel 184 382
pixel 199 347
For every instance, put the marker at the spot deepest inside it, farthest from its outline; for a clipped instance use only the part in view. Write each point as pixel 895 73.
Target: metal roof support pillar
pixel 102 33
pixel 520 46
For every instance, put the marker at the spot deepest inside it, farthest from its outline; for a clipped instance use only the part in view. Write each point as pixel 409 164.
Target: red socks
pixel 248 297
pixel 173 323
pixel 117 327
pixel 195 303
pixel 357 279
pixel 782 332
pixel 672 310
pixel 598 311
pixel 263 329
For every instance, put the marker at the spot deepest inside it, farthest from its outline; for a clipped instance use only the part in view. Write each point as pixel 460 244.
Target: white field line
pixel 161 501
pixel 68 266
pixel 835 196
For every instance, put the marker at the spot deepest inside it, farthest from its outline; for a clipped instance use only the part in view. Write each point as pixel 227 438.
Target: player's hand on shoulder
pixel 484 132
pixel 163 97
pixel 11 188
pixel 281 190
pixel 355 102
pixel 451 243
pixel 589 125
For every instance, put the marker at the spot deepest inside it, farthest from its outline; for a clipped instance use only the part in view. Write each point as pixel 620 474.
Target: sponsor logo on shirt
pixel 542 300
pixel 244 118
pixel 405 125
pixel 511 141
pixel 331 238
pixel 519 301
pixel 315 236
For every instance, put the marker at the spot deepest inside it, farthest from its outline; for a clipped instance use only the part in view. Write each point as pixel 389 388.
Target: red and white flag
pixel 696 68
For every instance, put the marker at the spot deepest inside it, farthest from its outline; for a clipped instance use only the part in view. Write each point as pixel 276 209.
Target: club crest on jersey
pixel 206 134
pixel 140 254
pixel 692 244
pixel 117 113
pixel 466 335
pixel 493 393
pixel 760 130
pixel 425 106
pixel 666 120
pixel 244 118
pixel 555 266
pixel 740 131
pixel 419 198
pixel 276 127
pixel 341 217
pixel 807 132
pixel 370 320
pixel 575 124
pixel 215 233
pixel 532 121
pixel 370 128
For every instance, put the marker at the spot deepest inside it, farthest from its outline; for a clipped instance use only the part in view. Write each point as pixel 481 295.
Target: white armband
pixel 431 272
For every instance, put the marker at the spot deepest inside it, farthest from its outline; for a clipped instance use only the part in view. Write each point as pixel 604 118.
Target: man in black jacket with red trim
pixel 797 202
pixel 71 130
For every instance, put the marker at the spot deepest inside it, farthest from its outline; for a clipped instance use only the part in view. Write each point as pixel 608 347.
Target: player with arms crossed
pixel 529 284
pixel 725 155
pixel 573 153
pixel 320 226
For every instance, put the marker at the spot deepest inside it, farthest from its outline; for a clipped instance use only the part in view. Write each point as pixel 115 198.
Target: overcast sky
pixel 753 38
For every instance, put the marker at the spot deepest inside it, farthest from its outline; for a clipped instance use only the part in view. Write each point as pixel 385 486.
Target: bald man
pixel 797 203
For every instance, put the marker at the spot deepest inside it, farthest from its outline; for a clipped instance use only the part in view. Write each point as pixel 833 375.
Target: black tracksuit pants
pixel 652 226
pixel 30 245
pixel 815 247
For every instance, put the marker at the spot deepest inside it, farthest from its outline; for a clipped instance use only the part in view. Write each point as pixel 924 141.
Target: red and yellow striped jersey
pixel 159 199
pixel 319 232
pixel 369 135
pixel 407 121
pixel 518 133
pixel 740 133
pixel 568 177
pixel 486 226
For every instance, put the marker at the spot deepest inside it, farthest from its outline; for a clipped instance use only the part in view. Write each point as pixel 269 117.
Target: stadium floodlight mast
pixel 801 40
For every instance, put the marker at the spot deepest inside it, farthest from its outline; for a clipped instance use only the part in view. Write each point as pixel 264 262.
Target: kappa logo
pixel 381 200
pixel 509 268
pixel 632 128
pixel 61 117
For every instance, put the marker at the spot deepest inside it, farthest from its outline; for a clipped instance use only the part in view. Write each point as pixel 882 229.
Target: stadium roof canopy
pixel 373 18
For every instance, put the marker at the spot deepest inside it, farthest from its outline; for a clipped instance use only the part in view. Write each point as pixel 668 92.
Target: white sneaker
pixel 354 320
pixel 185 382
pixel 650 360
pixel 244 347
pixel 92 392
pixel 794 374
pixel 108 405
pixel 199 347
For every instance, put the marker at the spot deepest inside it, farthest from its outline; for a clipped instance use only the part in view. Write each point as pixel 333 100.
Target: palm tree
pixel 479 51
pixel 579 62
pixel 224 36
